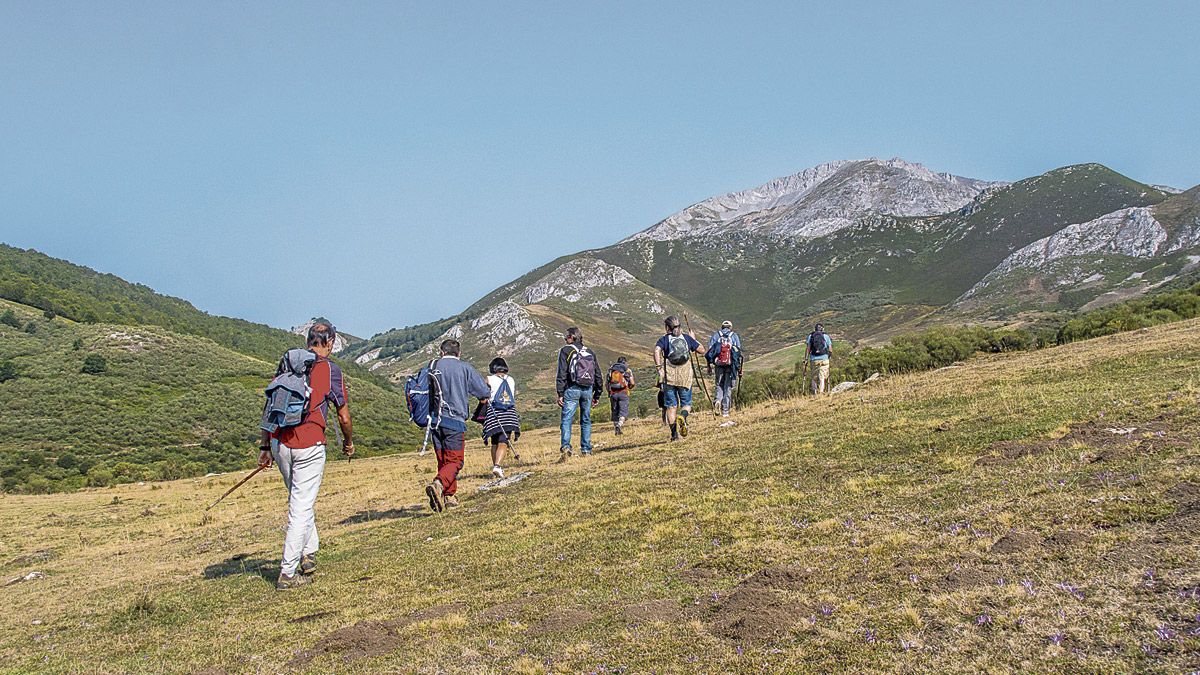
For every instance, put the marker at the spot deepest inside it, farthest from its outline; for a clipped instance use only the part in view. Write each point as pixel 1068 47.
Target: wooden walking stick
pixel 696 372
pixel 240 483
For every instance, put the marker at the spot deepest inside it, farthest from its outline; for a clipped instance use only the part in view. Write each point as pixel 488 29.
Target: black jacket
pixel 564 380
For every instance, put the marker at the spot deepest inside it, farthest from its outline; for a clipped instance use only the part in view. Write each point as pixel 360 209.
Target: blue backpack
pixel 289 392
pixel 423 392
pixel 504 398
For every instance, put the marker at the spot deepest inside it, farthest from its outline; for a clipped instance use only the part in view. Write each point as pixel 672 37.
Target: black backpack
pixel 816 344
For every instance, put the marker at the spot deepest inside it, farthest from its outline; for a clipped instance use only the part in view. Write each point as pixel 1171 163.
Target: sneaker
pixel 308 564
pixel 451 502
pixel 434 492
pixel 683 430
pixel 497 471
pixel 618 430
pixel 725 413
pixel 585 453
pixel 286 583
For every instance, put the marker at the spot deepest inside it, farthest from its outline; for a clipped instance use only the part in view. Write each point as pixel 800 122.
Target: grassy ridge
pixel 977 519
pixel 165 406
pixel 87 296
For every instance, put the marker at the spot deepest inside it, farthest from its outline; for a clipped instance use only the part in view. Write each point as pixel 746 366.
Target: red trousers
pixel 450 462
pixel 449 446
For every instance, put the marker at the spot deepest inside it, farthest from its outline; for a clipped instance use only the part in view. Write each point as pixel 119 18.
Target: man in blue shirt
pixel 725 352
pixel 459 381
pixel 673 357
pixel 817 349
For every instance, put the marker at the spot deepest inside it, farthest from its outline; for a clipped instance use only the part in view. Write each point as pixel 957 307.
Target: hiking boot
pixel 451 502
pixel 564 453
pixel 286 583
pixel 683 430
pixel 585 453
pixel 434 492
pixel 497 471
pixel 619 431
pixel 308 564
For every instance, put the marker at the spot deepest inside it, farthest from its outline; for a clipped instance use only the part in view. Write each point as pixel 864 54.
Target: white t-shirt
pixel 495 380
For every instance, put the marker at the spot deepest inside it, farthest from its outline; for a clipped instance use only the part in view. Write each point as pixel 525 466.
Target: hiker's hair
pixel 321 334
pixel 574 332
pixel 450 347
pixel 671 322
pixel 498 365
pixel 622 359
pixel 820 327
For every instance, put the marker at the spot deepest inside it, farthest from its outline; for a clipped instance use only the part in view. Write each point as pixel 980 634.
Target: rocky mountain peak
pixel 821 200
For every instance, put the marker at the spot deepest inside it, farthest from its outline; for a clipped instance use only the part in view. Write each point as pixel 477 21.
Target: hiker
pixel 619 384
pixel 457 381
pixel 578 384
pixel 818 347
pixel 299 449
pixel 673 358
pixel 725 352
pixel 501 424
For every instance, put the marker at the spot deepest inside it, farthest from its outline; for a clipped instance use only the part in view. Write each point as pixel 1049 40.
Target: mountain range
pixel 870 247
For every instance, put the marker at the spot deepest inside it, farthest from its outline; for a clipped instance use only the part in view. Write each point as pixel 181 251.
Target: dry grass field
pixel 1029 512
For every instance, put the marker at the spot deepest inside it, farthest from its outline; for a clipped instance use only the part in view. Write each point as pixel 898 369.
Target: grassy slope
pixel 890 529
pixel 83 294
pixel 164 396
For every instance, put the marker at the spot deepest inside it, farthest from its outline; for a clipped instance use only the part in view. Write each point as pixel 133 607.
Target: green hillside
pixel 1033 512
pixel 87 296
pixel 164 405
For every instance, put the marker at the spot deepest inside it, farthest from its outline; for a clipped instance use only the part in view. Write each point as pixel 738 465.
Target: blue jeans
pixel 577 397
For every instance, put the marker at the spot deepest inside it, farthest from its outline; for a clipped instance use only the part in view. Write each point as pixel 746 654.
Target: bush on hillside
pixel 8 370
pixel 94 364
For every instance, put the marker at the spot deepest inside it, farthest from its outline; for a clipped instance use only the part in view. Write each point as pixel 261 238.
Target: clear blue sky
pixel 421 154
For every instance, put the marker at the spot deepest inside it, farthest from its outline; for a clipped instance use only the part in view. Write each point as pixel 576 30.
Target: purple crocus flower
pixel 826 610
pixel 869 635
pixel 983 620
pixel 1028 586
pixel 1057 639
pixel 1164 632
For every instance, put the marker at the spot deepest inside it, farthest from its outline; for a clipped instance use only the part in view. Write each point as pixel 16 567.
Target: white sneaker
pixel 497 471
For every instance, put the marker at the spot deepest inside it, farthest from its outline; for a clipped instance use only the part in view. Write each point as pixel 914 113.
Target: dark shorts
pixel 505 436
pixel 444 439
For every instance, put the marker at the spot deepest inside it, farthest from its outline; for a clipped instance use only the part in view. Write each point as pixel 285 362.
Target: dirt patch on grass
pixel 665 610
pixel 362 640
pixel 783 577
pixel 1064 539
pixel 507 610
pixel 964 578
pixel 561 620
pixel 1109 439
pixel 755 614
pixel 1014 542
pixel 367 639
pixel 1185 496
pixel 700 576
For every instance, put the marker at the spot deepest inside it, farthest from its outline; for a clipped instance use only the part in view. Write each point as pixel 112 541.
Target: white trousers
pixel 302 470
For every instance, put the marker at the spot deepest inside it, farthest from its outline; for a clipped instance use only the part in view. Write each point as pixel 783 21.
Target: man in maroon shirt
pixel 300 455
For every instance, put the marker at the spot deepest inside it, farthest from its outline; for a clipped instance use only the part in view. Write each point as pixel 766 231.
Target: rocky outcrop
pixel 571 280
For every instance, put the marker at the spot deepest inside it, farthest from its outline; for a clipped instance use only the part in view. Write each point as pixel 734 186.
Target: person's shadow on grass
pixel 242 563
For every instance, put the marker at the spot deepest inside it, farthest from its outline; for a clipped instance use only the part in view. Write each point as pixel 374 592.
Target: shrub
pixel 8 370
pixel 8 318
pixel 94 364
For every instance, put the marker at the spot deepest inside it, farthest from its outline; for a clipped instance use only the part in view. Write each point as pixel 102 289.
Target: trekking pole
pixel 804 377
pixel 240 483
